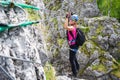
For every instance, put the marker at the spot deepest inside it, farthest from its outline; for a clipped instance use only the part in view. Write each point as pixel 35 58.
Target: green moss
pixel 84 50
pixel 33 15
pixel 46 1
pixel 49 39
pixel 57 5
pixel 49 72
pixel 102 59
pixel 81 21
pixel 118 45
pixel 115 29
pixel 102 68
pixel 90 51
pixel 93 38
pixel 85 29
pixel 99 30
pixel 55 53
pixel 111 6
pixel 52 20
pixel 99 67
pixel 116 67
pixel 116 73
pixel 118 61
pixel 55 21
pixel 60 41
pixel 87 0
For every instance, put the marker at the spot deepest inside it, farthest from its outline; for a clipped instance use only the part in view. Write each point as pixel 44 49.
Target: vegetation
pixel 107 7
pixel 100 68
pixel 84 29
pixel 110 8
pixel 49 72
pixel 57 4
pixel 46 1
pixel 116 73
pixel 60 41
pixel 32 14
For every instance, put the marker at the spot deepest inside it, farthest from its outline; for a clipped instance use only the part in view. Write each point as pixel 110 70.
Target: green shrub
pixel 110 7
pixel 49 72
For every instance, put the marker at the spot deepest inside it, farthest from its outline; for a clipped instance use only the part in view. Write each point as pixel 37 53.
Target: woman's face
pixel 71 22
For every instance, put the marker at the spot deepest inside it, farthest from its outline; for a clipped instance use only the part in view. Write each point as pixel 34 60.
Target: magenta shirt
pixel 71 40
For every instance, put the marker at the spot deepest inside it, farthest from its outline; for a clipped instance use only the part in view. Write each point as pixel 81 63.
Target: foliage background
pixel 110 8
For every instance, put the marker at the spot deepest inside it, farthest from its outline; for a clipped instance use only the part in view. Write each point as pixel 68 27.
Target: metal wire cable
pixel 6 73
pixel 20 59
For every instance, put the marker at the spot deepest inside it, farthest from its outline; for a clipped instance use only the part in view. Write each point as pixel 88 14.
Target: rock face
pixel 21 49
pixel 101 50
pixel 98 47
pixel 21 44
pixel 24 51
pixel 89 10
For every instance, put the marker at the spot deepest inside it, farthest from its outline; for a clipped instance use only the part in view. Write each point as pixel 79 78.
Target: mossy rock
pixel 99 67
pixel 88 0
pixel 99 30
pixel 84 29
pixel 60 41
pixel 33 15
pixel 55 53
pixel 116 73
pixel 49 72
pixel 94 46
pixel 55 21
pixel 57 5
pixel 46 1
pixel 103 68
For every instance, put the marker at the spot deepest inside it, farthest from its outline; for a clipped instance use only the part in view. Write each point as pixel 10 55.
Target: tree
pixel 110 8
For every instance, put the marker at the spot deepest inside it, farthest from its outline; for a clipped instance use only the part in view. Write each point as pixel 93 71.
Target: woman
pixel 70 25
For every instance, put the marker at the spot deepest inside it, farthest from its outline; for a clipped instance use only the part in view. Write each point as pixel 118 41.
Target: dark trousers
pixel 73 60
